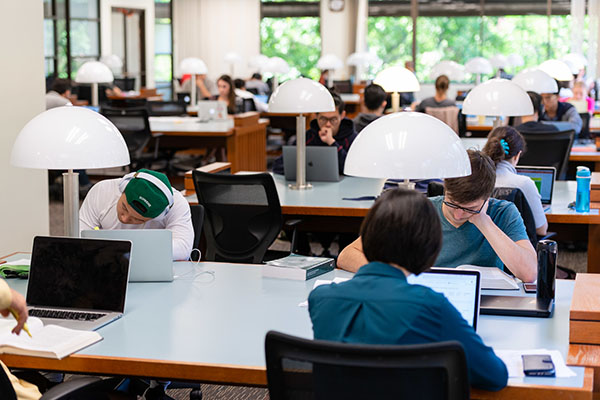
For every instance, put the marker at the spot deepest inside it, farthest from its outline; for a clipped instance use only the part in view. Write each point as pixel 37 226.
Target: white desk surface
pixel 188 124
pixel 223 319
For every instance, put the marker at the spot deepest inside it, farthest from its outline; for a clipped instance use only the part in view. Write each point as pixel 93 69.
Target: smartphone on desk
pixel 538 365
pixel 530 287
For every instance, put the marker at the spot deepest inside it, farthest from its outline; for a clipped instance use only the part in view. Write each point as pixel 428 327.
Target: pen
pixel 25 327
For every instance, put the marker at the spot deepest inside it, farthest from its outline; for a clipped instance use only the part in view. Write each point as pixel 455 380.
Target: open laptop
pixel 544 178
pixel 211 110
pixel 152 252
pixel 78 283
pixel 516 306
pixel 321 163
pixel 461 288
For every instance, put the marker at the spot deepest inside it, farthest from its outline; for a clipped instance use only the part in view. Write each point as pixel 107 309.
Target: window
pixel 163 48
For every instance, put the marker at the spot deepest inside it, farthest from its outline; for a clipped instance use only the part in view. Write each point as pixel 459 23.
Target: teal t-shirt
pixel 467 245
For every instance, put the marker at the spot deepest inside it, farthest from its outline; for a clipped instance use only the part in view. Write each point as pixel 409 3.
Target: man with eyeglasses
pixel 476 229
pixel 555 110
pixel 328 129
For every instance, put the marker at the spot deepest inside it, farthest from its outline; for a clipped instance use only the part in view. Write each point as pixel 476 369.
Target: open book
pixel 50 341
pixel 493 278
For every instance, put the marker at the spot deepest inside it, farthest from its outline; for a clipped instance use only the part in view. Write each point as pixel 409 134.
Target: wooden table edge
pixel 325 211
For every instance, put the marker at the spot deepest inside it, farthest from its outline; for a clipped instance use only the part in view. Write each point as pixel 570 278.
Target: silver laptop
pixel 321 163
pixel 78 283
pixel 152 252
pixel 211 110
pixel 462 288
pixel 544 178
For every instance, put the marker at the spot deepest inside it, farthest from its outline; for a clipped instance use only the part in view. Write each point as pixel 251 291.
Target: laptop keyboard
pixel 71 315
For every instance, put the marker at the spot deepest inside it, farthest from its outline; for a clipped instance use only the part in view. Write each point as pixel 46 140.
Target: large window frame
pixel 167 88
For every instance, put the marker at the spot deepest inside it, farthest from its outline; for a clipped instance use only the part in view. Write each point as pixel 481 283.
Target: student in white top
pixel 140 200
pixel 505 146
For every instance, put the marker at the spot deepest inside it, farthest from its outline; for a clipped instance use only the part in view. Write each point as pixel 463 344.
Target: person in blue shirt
pixel 476 229
pixel 401 235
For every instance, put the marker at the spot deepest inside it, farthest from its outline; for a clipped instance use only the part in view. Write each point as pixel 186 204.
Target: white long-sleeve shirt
pixel 99 209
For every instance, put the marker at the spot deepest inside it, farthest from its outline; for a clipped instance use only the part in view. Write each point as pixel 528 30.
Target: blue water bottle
pixel 584 178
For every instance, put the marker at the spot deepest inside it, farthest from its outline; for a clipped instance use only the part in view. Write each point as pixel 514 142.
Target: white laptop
pixel 321 163
pixel 461 287
pixel 78 283
pixel 211 110
pixel 544 178
pixel 152 252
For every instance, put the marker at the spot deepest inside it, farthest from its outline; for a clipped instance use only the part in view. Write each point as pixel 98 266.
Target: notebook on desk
pixel 78 283
pixel 544 178
pixel 151 252
pixel 321 163
pixel 461 288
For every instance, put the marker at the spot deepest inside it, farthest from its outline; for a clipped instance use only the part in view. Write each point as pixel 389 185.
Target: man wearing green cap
pixel 140 200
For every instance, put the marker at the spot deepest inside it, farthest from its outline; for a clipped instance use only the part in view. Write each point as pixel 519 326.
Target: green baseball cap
pixel 149 193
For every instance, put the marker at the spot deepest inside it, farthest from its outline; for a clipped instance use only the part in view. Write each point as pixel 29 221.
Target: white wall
pixel 106 30
pixel 24 199
pixel 338 33
pixel 209 29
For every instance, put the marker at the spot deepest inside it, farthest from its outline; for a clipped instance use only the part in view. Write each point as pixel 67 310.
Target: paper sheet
pixel 514 363
pixel 22 261
pixel 320 282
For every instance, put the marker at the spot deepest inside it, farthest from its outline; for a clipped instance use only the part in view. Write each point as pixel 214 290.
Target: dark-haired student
pixel 476 229
pixel 374 102
pixel 442 84
pixel 504 146
pixel 401 235
pixel 531 123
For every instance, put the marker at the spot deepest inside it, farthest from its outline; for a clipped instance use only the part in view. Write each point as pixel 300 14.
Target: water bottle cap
pixel 583 171
pixel 547 244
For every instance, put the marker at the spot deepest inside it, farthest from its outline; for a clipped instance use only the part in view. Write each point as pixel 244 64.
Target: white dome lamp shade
pixel 535 80
pixel 258 62
pixel 113 62
pixel 397 80
pixel 68 138
pixel 515 60
pixel 557 69
pixel 576 61
pixel 478 66
pixel 361 61
pixel 301 96
pixel 94 72
pixel 232 59
pixel 497 97
pixel 499 61
pixel 407 145
pixel 453 70
pixel 192 66
pixel 276 65
pixel 329 62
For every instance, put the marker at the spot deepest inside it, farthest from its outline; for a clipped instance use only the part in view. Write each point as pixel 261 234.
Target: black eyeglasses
pixel 467 210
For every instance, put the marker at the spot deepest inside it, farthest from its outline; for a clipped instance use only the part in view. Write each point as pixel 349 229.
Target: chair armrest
pixel 61 390
pixel 293 223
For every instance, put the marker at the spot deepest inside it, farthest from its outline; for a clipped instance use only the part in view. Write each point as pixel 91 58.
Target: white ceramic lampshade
pixel 69 138
pixel 397 79
pixel 362 59
pixel 276 65
pixel 497 97
pixel 557 69
pixel 113 62
pixel 407 145
pixel 94 72
pixel 329 61
pixel 233 58
pixel 453 70
pixel 478 65
pixel 576 61
pixel 301 96
pixel 535 80
pixel 499 61
pixel 515 60
pixel 192 66
pixel 258 62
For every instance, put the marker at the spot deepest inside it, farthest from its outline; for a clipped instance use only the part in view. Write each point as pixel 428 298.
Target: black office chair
pixel 242 215
pixel 585 126
pixel 197 212
pixel 125 84
pixel 125 103
pixel 166 108
pixel 317 369
pixel 550 149
pixel 248 105
pixel 516 196
pixel 184 97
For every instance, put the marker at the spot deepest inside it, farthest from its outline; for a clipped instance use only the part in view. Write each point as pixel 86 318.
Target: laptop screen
pixel 461 288
pixel 543 177
pixel 88 274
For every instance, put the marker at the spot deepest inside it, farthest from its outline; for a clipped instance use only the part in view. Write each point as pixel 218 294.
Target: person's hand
pixel 18 305
pixel 326 135
pixel 479 219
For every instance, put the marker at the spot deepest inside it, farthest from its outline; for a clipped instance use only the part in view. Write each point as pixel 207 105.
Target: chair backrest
pixel 242 215
pixel 166 108
pixel 126 103
pixel 6 387
pixel 517 197
pixel 134 126
pixel 197 212
pixel 548 149
pixel 248 105
pixel 125 84
pixel 317 369
pixel 585 125
pixel 448 115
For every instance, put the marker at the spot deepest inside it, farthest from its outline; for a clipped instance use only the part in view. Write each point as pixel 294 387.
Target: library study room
pixel 208 199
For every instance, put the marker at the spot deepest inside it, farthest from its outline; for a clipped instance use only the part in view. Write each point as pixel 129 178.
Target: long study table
pixel 209 325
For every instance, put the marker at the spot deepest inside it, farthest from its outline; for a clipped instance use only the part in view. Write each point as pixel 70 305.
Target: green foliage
pixel 296 40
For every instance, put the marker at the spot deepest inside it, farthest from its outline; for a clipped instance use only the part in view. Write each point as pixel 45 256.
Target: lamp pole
pixel 301 183
pixel 71 202
pixel 193 91
pixel 95 94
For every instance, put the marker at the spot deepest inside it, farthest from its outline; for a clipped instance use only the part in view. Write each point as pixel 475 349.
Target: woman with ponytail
pixel 505 146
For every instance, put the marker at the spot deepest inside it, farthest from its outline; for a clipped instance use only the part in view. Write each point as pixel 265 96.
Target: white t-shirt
pixel 506 176
pixel 99 209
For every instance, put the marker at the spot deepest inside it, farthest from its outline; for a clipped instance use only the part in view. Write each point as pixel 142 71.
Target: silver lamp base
pixel 296 186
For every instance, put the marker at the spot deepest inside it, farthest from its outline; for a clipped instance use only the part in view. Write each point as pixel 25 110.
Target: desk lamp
pixel 301 96
pixel 69 138
pixel 397 80
pixel 94 72
pixel 498 61
pixel 498 97
pixel 361 61
pixel 408 145
pixel 557 69
pixel 276 65
pixel 576 61
pixel 478 66
pixel 515 60
pixel 193 66
pixel 258 62
pixel 233 58
pixel 453 70
pixel 329 62
pixel 535 80
pixel 113 62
